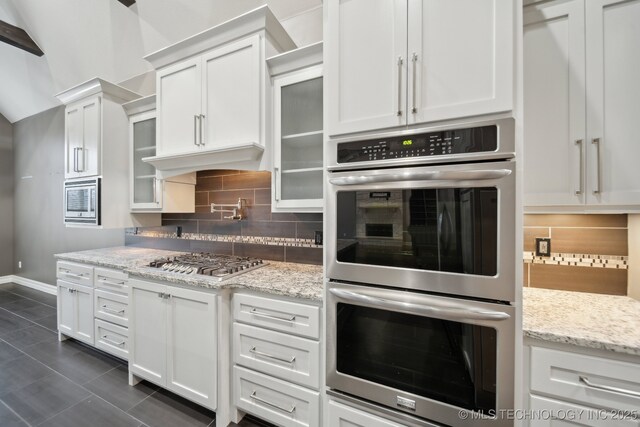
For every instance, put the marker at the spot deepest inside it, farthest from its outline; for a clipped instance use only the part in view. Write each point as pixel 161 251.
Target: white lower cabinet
pixel 345 416
pixel 173 339
pixel 577 387
pixel 275 400
pixel 75 311
pixel 277 373
pixel 112 339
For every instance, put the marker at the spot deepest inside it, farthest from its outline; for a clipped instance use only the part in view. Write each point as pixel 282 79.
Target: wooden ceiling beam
pixel 127 3
pixel 19 38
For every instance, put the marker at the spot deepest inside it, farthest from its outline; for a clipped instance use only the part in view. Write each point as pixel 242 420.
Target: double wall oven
pixel 421 259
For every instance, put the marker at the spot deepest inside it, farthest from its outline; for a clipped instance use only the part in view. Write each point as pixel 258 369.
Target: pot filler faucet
pixel 236 209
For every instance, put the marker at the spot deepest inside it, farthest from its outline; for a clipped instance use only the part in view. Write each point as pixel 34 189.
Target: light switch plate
pixel 543 246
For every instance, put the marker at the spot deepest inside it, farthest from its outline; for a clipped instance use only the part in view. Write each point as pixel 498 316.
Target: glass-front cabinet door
pixel 298 128
pixel 144 185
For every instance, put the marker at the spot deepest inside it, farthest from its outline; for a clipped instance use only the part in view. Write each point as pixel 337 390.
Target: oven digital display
pixel 443 143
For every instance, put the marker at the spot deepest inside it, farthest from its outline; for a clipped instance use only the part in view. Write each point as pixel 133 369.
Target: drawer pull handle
pixel 588 383
pixel 270 356
pixel 255 312
pixel 106 339
pixel 111 310
pixel 273 405
pixel 108 282
pixel 70 274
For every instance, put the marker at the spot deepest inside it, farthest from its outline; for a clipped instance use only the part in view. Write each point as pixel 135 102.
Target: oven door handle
pixel 462 175
pixel 443 311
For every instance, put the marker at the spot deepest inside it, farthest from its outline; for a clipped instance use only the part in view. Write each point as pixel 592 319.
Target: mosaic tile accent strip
pixel 258 240
pixel 580 260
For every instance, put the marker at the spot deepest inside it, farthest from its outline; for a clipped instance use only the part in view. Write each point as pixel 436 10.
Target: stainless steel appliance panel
pixel 82 201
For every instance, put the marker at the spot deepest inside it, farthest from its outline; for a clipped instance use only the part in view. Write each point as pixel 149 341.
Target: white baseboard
pixel 33 284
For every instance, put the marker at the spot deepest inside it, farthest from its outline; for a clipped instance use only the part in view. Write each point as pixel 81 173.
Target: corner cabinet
pixel 580 154
pixel 173 339
pixel 406 62
pixel 298 130
pixel 213 94
pixel 148 193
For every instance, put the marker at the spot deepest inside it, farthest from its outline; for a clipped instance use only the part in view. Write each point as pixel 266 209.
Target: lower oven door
pixel 429 356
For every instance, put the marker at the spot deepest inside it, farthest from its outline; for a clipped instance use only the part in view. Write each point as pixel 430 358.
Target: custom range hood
pixel 240 156
pixel 213 96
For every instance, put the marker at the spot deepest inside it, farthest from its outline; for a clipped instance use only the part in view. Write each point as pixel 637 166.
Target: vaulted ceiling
pixel 83 39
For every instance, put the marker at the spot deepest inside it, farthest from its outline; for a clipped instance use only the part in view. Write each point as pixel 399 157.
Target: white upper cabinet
pixel 82 138
pixel 581 101
pixel 213 93
pixel 613 101
pixel 554 104
pixel 180 101
pixel 405 62
pixel 298 130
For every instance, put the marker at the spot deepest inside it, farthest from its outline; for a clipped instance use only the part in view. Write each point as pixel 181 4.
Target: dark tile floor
pixel 44 382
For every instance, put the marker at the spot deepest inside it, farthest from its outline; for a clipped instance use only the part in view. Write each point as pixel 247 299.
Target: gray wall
pixel 39 177
pixel 6 197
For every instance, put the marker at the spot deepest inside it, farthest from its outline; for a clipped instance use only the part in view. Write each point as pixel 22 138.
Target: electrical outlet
pixel 543 246
pixel 19 264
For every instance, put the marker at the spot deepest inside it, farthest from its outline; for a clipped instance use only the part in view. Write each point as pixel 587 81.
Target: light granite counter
pixel 604 322
pixel 276 278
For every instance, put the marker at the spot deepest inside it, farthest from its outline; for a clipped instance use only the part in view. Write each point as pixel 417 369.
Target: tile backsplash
pixel 276 236
pixel 589 253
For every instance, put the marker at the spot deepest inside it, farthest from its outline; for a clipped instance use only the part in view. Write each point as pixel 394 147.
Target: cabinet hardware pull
pixel 155 190
pixel 166 296
pixel 70 290
pixel 110 341
pixel 81 151
pixel 75 159
pixel 579 142
pixel 195 129
pixel 161 294
pixel 273 405
pixel 201 130
pixel 111 310
pixel 108 282
pixel 270 356
pixel 275 184
pixel 588 383
pixel 399 113
pixel 255 312
pixel 77 276
pixel 596 142
pixel 414 60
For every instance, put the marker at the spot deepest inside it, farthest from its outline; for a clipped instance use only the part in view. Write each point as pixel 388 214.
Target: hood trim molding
pixel 241 156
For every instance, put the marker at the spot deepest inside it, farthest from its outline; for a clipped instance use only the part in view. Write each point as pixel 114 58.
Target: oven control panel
pixel 443 143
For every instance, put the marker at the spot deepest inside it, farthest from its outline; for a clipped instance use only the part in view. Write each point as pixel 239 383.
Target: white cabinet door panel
pixel 613 87
pixel 84 325
pixel 191 345
pixel 66 308
pixel 91 135
pixel 231 94
pixel 148 331
pixel 367 88
pixel 554 104
pixel 179 104
pixel 460 64
pixel 73 140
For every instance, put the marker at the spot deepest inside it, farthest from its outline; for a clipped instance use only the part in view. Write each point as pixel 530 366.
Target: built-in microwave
pixel 82 201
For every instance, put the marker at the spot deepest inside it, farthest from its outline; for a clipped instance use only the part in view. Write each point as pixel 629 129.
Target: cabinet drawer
pixel 551 413
pixel 594 381
pixel 284 316
pixel 112 280
pixel 284 356
pixel 111 307
pixel 75 273
pixel 345 416
pixel 112 339
pixel 274 400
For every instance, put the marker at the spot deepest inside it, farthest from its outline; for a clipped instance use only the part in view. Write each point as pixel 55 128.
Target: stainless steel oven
pixel 426 355
pixel 421 266
pixel 447 228
pixel 82 201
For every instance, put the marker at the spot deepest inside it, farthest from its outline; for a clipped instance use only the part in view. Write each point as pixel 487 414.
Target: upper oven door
pixel 447 229
pixel 426 355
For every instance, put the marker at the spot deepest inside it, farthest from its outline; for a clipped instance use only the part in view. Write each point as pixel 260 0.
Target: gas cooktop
pixel 220 267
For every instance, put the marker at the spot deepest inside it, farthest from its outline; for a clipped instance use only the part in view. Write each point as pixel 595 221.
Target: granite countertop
pixel 278 278
pixel 604 322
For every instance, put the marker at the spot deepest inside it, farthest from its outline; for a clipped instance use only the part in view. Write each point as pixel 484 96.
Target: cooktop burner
pixel 220 267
